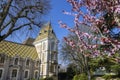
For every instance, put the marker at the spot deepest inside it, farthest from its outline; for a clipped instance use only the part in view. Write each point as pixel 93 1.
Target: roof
pixel 12 49
pixel 45 31
pixel 29 41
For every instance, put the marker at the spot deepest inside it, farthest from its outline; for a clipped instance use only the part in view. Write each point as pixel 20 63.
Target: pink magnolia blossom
pixel 93 16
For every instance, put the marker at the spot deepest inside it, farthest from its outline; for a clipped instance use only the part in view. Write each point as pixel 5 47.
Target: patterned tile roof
pixel 12 49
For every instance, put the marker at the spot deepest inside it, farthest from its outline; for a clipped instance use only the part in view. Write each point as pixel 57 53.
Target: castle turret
pixel 47 49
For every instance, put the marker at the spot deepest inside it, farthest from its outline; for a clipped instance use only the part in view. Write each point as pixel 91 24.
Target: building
pixel 31 58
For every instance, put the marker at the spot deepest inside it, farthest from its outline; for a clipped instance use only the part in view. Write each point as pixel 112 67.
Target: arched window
pixel 27 62
pixel 16 61
pixel 1 73
pixel 2 59
pixel 36 74
pixel 26 74
pixel 14 73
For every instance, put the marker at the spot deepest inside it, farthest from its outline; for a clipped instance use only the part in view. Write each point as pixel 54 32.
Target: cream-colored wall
pixel 8 66
pixel 45 55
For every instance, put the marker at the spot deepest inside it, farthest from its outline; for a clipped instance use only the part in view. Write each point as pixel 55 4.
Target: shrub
pixel 42 79
pixel 80 77
pixel 107 77
pixel 48 78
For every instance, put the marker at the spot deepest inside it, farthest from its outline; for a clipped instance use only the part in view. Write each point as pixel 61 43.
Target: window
pixel 42 68
pixel 36 74
pixel 16 61
pixel 44 46
pixel 43 56
pixel 14 73
pixel 37 63
pixel 2 59
pixel 51 68
pixel 26 74
pixel 53 56
pixel 52 46
pixel 27 62
pixel 54 68
pixel 1 72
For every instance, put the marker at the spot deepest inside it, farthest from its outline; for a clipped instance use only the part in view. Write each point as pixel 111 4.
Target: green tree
pixel 116 68
pixel 72 70
pixel 13 12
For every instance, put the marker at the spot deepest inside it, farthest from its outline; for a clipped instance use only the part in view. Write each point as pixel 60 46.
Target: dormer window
pixel 16 61
pixel 27 62
pixel 2 59
pixel 40 33
pixel 45 31
pixel 52 31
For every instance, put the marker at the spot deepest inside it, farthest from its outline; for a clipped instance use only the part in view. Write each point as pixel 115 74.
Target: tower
pixel 46 46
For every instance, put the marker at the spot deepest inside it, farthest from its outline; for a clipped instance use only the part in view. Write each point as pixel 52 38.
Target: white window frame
pixel 17 73
pixel 18 61
pixel 2 73
pixel 26 62
pixel 27 75
pixel 4 58
pixel 35 72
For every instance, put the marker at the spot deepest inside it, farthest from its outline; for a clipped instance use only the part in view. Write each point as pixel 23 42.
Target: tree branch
pixel 5 12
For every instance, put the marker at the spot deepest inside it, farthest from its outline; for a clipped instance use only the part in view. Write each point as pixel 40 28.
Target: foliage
pixel 93 17
pixel 21 14
pixel 107 77
pixel 101 16
pixel 47 78
pixel 71 71
pixel 80 77
pixel 42 79
pixel 74 56
pixel 116 69
pixel 62 76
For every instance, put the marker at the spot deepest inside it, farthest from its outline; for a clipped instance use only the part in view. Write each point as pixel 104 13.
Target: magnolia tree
pixel 102 16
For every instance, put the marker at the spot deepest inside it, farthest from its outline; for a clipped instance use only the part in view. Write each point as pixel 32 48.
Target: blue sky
pixel 53 16
pixel 56 14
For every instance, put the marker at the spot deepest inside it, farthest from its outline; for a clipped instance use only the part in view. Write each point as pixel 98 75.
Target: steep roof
pixel 29 41
pixel 45 32
pixel 12 49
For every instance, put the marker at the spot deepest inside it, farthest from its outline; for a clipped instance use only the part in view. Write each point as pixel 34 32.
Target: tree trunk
pixel 87 68
pixel 89 75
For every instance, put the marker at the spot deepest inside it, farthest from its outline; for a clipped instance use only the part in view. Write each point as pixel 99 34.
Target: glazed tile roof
pixel 12 49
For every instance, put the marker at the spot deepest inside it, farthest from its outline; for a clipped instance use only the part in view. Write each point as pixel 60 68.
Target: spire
pixel 45 31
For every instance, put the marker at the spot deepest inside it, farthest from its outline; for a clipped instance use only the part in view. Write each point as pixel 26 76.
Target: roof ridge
pixel 17 43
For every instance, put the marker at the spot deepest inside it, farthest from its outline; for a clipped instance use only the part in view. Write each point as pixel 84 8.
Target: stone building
pixel 34 58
